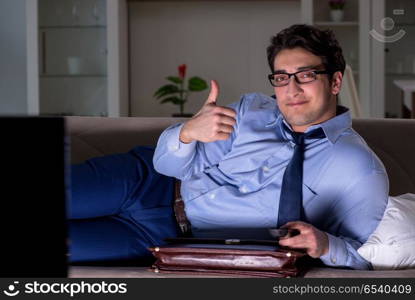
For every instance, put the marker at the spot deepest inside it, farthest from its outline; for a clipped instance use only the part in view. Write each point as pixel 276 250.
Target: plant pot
pixel 184 115
pixel 336 15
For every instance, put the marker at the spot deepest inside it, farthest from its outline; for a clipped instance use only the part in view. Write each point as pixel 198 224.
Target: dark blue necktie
pixel 291 199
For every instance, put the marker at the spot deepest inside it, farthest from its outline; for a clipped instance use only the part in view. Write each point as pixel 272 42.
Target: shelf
pixel 74 27
pixel 404 24
pixel 337 24
pixel 400 74
pixel 72 76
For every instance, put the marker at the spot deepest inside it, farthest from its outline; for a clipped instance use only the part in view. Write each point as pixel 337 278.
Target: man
pixel 291 161
pixel 231 160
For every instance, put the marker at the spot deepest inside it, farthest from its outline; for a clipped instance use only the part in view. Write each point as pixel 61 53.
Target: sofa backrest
pixel 393 140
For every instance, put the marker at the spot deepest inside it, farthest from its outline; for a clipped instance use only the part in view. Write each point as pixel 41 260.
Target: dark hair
pixel 321 43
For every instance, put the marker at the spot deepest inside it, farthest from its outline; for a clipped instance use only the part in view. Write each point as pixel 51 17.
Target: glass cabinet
pixel 77 41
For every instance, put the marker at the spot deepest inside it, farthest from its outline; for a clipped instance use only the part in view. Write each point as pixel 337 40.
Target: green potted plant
pixel 337 10
pixel 177 91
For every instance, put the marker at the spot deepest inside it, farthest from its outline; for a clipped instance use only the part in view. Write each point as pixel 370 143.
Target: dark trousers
pixel 119 206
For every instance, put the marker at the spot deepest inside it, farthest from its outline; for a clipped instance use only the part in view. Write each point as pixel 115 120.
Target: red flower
pixel 182 71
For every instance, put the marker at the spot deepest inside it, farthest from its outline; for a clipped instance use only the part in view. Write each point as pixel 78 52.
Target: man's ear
pixel 336 82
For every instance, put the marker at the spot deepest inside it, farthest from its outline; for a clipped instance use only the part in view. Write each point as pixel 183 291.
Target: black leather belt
pixel 179 211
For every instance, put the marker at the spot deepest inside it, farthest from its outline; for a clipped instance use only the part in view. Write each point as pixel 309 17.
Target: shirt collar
pixel 332 128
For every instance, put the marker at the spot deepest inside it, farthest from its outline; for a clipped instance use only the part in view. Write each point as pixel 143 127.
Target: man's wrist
pixel 183 137
pixel 326 244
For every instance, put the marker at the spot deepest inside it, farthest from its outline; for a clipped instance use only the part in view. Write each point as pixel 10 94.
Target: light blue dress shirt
pixel 237 182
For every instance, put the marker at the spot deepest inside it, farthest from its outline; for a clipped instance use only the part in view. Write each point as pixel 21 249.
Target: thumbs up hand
pixel 211 123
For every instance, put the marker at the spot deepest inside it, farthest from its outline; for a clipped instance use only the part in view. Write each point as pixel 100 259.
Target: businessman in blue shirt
pixel 231 159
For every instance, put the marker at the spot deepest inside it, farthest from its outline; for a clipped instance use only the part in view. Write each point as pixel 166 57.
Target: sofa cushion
pixel 392 244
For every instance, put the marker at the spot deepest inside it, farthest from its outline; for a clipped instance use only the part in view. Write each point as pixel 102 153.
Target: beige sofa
pixel 392 139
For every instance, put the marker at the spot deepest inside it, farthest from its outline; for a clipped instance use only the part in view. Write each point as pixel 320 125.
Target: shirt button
pixel 174 148
pixel 333 260
pixel 265 169
pixel 212 196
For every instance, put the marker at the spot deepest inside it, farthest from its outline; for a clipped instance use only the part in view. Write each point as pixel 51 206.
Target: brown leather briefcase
pixel 247 258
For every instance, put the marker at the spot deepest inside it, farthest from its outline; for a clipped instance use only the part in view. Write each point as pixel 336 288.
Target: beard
pixel 311 116
pixel 297 119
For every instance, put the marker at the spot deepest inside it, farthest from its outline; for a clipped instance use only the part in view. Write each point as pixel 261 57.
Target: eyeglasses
pixel 282 79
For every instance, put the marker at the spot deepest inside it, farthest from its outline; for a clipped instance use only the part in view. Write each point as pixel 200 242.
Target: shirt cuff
pixel 175 146
pixel 337 254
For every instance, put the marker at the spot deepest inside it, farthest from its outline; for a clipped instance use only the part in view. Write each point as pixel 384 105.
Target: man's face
pixel 305 104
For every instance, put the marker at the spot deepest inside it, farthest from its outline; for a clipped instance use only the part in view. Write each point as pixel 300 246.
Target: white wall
pixel 13 63
pixel 218 40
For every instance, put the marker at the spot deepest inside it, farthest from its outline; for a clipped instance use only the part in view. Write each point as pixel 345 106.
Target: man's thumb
pixel 214 92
